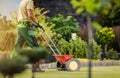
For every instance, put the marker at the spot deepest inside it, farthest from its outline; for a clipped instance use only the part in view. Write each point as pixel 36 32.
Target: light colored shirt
pixel 23 7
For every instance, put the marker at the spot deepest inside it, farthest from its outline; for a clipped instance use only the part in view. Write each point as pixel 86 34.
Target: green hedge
pixel 78 47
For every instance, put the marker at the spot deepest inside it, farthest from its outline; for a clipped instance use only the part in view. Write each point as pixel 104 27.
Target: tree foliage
pixel 105 36
pixel 112 54
pixel 91 6
pixel 114 16
pixel 111 19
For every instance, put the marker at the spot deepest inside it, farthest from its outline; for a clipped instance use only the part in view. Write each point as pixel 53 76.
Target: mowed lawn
pixel 97 72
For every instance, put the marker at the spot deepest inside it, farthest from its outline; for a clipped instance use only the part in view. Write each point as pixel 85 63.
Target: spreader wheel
pixel 60 67
pixel 72 65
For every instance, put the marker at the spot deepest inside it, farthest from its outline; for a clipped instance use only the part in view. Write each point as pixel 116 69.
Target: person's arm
pixel 32 16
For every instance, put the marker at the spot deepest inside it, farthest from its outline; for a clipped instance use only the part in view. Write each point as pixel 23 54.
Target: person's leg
pixel 19 44
pixel 30 39
pixel 32 42
pixel 34 45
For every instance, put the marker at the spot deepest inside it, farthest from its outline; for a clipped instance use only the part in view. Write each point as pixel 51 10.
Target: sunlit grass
pixel 97 72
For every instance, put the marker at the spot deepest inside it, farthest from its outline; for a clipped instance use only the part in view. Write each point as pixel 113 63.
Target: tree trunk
pixel 119 46
pixel 105 48
pixel 4 76
pixel 10 76
pixel 33 73
pixel 90 48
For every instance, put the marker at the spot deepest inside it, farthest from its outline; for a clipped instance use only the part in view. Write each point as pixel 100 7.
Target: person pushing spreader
pixel 64 62
pixel 26 33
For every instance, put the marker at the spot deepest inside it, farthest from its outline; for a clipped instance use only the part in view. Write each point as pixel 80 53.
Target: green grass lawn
pixel 97 72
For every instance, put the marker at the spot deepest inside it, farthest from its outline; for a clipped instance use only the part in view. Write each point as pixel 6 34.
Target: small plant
pixel 112 54
pixel 34 56
pixel 9 67
pixel 96 50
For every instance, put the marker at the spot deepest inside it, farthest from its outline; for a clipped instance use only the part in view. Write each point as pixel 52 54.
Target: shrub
pixel 112 54
pixel 64 25
pixel 77 47
pixel 63 46
pixel 12 66
pixel 34 55
pixel 96 50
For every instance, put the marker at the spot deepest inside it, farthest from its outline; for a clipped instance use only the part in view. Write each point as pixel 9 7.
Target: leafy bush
pixel 34 55
pixel 64 25
pixel 77 47
pixel 112 54
pixel 63 46
pixel 12 66
pixel 96 50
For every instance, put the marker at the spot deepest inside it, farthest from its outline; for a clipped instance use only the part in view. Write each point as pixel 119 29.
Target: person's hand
pixel 38 25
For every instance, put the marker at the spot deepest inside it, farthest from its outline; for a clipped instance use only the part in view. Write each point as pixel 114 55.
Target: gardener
pixel 26 31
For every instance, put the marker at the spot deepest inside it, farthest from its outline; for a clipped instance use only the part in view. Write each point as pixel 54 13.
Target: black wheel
pixel 72 65
pixel 59 66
